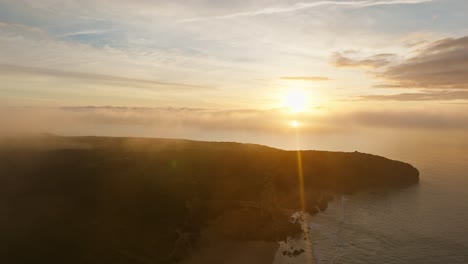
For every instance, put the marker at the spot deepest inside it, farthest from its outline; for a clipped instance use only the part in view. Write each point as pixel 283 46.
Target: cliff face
pixel 124 200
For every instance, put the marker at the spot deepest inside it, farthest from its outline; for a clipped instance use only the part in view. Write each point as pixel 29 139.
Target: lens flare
pixel 302 196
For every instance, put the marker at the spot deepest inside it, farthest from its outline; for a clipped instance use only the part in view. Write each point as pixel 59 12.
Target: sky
pixel 233 65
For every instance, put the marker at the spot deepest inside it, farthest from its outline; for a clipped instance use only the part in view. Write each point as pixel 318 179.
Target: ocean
pixel 426 223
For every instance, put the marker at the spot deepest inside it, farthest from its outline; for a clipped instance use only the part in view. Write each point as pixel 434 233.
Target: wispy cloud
pixel 92 77
pixel 305 5
pixel 16 26
pixel 441 65
pixel 375 61
pixel 424 96
pixel 305 78
pixel 85 32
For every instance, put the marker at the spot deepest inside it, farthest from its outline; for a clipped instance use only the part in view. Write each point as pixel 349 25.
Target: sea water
pixel 425 223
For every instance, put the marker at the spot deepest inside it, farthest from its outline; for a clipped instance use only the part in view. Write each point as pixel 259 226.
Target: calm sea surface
pixel 427 223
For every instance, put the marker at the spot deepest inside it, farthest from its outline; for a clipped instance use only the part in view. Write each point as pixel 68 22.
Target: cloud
pixel 305 5
pixel 16 26
pixel 140 121
pixel 6 69
pixel 85 32
pixel 424 96
pixel 305 78
pixel 414 119
pixel 441 65
pixel 387 85
pixel 139 55
pixel 375 61
pixel 187 122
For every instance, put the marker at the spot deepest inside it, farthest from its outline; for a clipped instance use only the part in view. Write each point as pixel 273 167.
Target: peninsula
pixel 140 200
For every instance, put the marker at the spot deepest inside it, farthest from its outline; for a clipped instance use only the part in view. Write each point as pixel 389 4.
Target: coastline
pixel 169 200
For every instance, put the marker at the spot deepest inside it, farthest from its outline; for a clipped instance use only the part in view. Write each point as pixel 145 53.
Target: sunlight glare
pixel 295 100
pixel 294 123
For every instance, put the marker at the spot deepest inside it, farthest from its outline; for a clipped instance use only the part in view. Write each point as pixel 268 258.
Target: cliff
pixel 133 200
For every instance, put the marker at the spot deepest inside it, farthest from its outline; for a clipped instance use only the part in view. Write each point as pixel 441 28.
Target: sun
pixel 295 100
pixel 294 123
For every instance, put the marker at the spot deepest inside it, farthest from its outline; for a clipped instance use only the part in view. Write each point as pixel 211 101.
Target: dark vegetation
pixel 130 200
